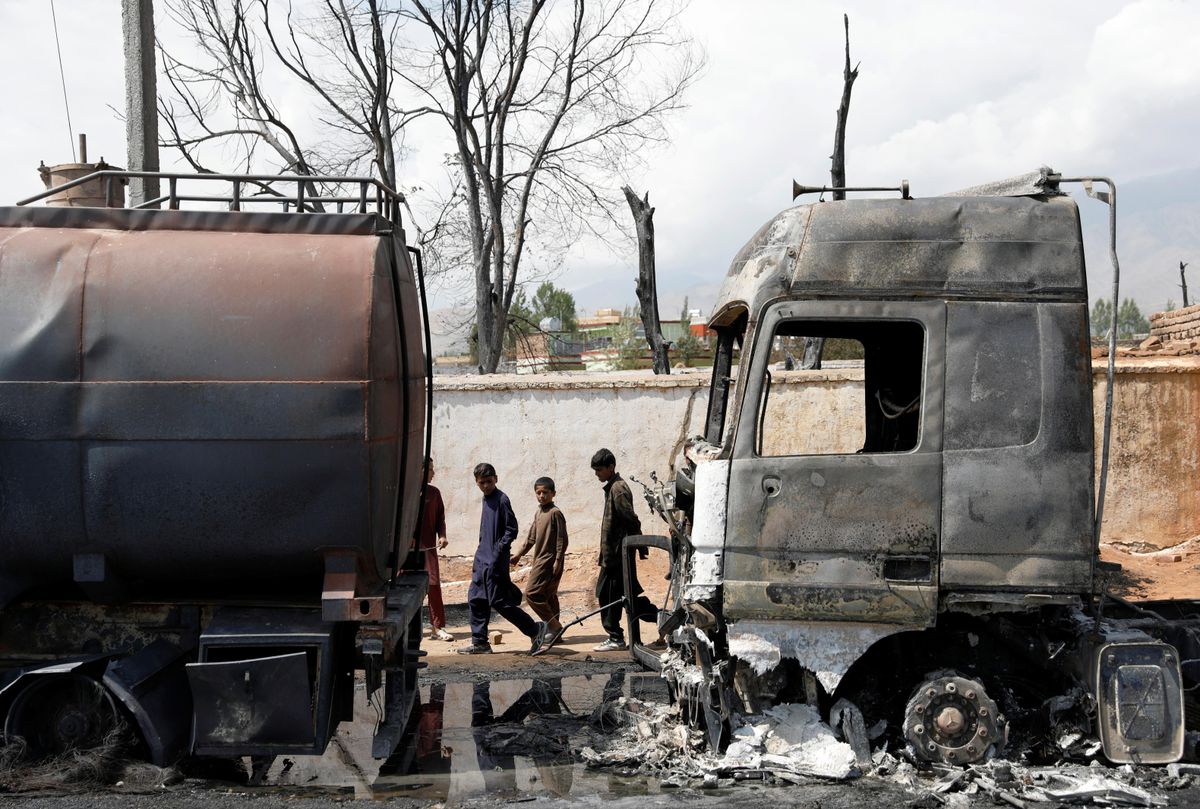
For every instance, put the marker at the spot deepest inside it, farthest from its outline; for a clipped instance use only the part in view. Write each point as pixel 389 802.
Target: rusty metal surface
pixel 204 397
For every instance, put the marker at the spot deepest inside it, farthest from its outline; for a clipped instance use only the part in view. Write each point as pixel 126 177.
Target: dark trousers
pixel 610 587
pixel 481 613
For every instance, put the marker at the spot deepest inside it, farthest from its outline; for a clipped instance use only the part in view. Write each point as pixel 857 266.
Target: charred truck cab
pixel 212 426
pixel 926 551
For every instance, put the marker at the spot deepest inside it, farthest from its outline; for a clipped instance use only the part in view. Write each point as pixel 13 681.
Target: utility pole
pixel 141 99
pixel 1183 282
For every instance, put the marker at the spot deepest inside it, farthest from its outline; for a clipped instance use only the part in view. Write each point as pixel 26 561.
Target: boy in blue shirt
pixel 491 588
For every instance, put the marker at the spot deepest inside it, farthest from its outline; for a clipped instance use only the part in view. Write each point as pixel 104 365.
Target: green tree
pixel 1130 320
pixel 687 346
pixel 1101 317
pixel 551 301
pixel 630 347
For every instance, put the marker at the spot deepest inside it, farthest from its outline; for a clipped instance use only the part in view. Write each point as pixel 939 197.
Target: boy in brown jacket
pixel 547 540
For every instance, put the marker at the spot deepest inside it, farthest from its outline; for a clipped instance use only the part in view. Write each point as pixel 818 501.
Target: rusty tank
pixel 204 402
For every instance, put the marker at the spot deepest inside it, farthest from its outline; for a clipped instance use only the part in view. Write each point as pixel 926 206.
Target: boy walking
pixel 547 540
pixel 491 588
pixel 620 521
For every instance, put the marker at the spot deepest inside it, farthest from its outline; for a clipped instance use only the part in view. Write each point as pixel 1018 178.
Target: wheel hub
pixel 951 719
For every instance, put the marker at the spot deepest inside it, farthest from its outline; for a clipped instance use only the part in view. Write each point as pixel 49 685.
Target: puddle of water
pixel 470 739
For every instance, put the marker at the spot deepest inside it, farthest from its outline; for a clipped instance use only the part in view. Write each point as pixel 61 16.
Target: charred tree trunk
pixel 647 286
pixel 837 170
pixel 814 346
pixel 1183 282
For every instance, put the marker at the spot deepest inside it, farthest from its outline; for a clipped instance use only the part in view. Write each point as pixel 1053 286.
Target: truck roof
pixel 991 247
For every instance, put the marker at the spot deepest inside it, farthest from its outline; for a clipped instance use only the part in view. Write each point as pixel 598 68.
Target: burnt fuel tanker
pixel 212 424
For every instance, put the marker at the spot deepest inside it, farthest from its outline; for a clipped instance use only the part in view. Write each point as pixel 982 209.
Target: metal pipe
pixel 1110 199
pixel 428 388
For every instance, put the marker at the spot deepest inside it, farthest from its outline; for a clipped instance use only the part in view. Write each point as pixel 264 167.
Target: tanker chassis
pixel 926 562
pixel 212 426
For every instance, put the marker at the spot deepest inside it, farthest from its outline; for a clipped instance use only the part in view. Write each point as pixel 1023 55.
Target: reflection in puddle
pixel 472 739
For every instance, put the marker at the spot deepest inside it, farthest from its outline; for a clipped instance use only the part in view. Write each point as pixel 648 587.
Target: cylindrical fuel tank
pixel 201 404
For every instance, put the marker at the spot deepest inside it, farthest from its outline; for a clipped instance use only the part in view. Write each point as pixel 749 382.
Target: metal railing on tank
pixel 308 193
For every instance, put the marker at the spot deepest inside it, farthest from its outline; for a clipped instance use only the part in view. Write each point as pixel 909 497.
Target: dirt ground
pixel 577 588
pixel 571 656
pixel 1156 575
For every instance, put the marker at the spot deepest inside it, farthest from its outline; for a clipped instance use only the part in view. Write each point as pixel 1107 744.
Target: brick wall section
pixel 1179 324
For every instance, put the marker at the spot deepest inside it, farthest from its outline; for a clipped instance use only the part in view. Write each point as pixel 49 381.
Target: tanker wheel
pixel 951 719
pixel 60 713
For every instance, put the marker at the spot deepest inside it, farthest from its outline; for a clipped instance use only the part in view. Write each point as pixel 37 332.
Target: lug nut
pixel 920 709
pixel 918 729
pixel 970 695
pixel 951 688
pixel 952 755
pixel 931 747
pixel 983 733
pixel 983 711
pixel 971 749
pixel 950 721
pixel 931 693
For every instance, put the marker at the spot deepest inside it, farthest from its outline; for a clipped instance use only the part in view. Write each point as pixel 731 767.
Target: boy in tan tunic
pixel 547 541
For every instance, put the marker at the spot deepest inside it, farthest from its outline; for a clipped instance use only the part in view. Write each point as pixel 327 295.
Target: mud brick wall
pixel 1179 324
pixel 550 424
pixel 1154 463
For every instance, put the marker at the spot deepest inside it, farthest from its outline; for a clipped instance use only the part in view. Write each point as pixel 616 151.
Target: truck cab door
pixel 834 504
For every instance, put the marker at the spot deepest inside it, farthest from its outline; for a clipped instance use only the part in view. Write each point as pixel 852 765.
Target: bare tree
pixel 647 283
pixel 814 346
pixel 837 169
pixel 544 105
pixel 340 53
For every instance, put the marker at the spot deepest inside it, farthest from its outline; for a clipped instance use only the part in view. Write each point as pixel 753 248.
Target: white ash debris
pixel 788 743
pixel 645 738
pixel 790 737
pixel 1020 785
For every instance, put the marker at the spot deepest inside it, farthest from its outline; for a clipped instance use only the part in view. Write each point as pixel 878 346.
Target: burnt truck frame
pixel 214 628
pixel 937 566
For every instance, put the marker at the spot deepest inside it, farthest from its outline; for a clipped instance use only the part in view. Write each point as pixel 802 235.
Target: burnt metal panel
pixel 1018 428
pixel 153 687
pixel 265 683
pixel 816 537
pixel 256 706
pixel 997 248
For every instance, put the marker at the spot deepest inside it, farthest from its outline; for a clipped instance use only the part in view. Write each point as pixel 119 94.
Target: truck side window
pixel 804 414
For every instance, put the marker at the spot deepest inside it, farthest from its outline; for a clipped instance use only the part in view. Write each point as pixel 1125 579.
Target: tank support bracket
pixel 339 595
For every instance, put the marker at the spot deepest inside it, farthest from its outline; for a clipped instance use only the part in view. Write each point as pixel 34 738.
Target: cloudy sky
pixel 950 94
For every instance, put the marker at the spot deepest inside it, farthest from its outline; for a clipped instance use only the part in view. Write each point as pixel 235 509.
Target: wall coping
pixel 699 377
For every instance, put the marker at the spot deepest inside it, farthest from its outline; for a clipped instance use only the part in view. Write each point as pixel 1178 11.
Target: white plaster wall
pixel 550 424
